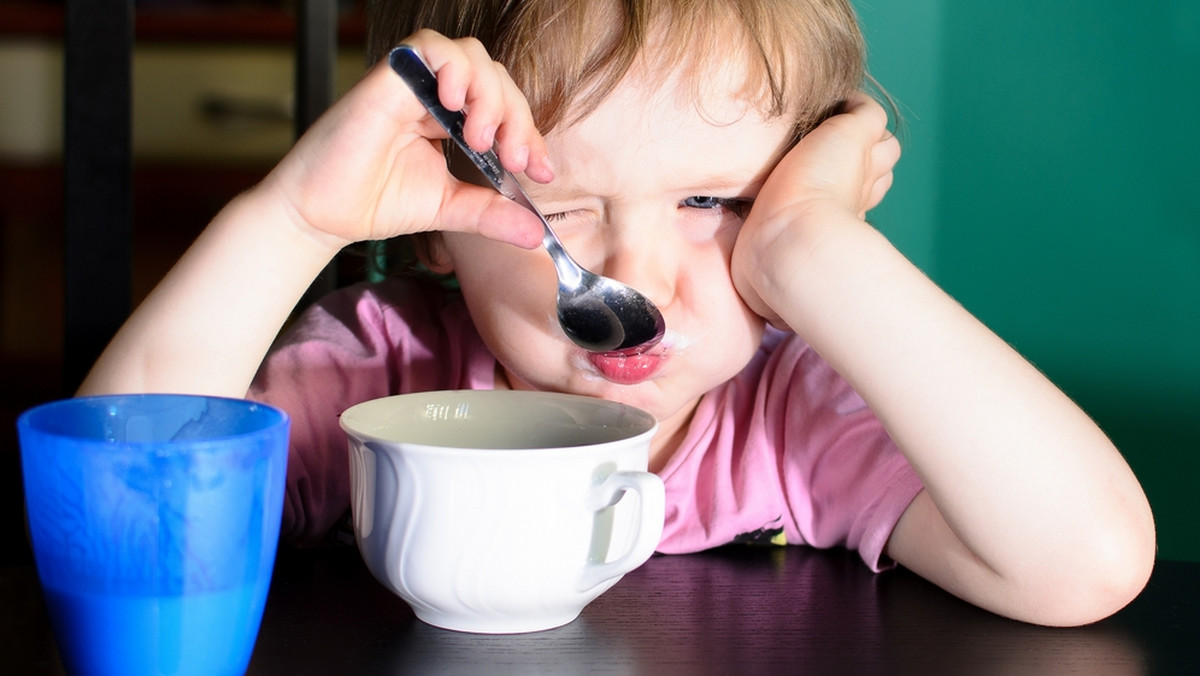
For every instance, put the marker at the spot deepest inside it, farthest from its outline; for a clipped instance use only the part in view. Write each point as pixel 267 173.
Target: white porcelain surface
pixel 501 512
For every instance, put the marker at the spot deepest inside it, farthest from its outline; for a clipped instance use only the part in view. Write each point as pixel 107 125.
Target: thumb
pixel 472 208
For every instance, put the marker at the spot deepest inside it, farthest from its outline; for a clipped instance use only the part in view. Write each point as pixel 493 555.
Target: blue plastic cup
pixel 154 520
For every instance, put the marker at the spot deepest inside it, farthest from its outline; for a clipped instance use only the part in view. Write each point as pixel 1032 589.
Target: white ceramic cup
pixel 499 511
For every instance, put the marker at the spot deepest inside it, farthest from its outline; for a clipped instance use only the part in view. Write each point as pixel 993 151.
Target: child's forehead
pixel 648 99
pixel 642 141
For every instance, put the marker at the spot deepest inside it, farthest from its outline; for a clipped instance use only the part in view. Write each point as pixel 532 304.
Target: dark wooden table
pixel 730 611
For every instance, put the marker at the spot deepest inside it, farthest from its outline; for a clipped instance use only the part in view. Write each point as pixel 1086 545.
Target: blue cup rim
pixel 27 422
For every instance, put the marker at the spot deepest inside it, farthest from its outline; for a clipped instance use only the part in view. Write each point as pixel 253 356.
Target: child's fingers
pixel 497 113
pixel 884 156
pixel 467 81
pixel 520 147
pixel 485 104
pixel 865 108
pixel 865 122
pixel 448 61
pixel 471 208
pixel 876 193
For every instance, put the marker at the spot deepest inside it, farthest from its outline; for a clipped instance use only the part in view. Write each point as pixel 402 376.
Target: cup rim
pixel 274 419
pixel 644 421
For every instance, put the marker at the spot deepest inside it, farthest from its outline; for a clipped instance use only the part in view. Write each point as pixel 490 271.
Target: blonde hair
pixel 800 57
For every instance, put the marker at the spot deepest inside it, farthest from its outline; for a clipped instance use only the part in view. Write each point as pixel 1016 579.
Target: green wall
pixel 1050 183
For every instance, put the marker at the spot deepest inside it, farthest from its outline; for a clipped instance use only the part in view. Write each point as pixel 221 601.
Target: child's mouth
pixel 627 369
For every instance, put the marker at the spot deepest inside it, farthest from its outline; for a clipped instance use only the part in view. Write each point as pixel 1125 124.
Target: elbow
pixel 1101 576
pixel 1124 561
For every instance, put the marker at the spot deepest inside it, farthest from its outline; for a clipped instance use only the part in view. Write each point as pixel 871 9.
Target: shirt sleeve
pixel 787 451
pixel 335 355
pixel 844 480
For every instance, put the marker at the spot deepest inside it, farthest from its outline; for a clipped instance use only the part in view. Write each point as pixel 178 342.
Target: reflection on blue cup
pixel 154 520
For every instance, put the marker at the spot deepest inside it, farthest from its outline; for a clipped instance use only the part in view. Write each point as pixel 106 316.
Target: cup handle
pixel 651 496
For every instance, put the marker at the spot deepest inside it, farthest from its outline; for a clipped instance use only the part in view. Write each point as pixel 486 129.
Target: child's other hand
pixel 372 167
pixel 838 171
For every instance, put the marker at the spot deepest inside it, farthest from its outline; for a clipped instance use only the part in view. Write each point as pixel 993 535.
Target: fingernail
pixel 546 170
pixel 489 135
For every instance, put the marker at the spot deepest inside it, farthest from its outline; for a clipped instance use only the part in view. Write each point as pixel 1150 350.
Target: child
pixel 813 386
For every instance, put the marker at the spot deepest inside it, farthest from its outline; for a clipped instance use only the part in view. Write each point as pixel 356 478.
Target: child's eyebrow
pixel 725 183
pixel 718 184
pixel 747 178
pixel 729 189
pixel 722 184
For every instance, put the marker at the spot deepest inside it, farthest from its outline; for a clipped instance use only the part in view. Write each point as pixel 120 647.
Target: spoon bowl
pixel 598 313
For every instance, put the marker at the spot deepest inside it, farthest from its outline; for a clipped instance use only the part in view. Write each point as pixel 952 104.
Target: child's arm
pixel 371 168
pixel 1028 509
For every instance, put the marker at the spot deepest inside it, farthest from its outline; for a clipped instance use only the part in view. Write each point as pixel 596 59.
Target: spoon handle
pixel 411 68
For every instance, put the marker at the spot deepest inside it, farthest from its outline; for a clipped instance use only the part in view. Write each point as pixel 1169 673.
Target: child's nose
pixel 645 257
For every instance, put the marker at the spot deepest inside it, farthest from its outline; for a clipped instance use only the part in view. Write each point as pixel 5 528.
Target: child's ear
pixel 431 251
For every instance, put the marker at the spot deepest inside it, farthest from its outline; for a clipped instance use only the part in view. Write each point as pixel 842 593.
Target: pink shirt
pixel 786 451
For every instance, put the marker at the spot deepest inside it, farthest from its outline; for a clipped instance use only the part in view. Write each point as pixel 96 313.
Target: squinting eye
pixel 703 202
pixel 738 206
pixel 571 218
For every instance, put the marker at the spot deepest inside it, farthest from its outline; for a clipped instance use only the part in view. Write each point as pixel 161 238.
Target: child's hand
pixel 372 167
pixel 840 170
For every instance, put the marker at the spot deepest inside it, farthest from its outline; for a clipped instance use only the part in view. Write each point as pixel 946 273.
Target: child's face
pixel 651 191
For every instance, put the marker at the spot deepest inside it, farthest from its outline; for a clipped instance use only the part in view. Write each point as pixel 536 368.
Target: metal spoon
pixel 597 313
